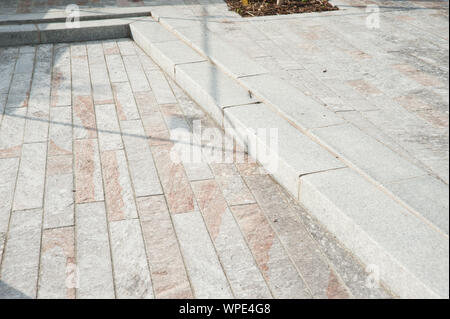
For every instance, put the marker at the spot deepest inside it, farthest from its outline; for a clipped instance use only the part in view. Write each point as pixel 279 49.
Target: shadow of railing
pixel 145 137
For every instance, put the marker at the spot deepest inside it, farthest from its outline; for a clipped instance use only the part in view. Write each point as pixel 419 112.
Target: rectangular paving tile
pixel 110 47
pixel 196 171
pixel 142 168
pixel 223 169
pixel 234 190
pixel 305 253
pixel 125 103
pixel 21 259
pixel 61 77
pixel 166 263
pixel 160 87
pixel 88 178
pixel 243 274
pixel 225 56
pixel 126 47
pixel 403 126
pixel 93 49
pixel 186 144
pixel 2 245
pixel 25 62
pixel 2 105
pixel 146 103
pixel 118 191
pixel 95 277
pixel 278 270
pixel 30 182
pixel 41 85
pixel 367 153
pixel 204 269
pixel 57 271
pixel 364 87
pixel 81 81
pixel 155 129
pixel 8 171
pixel 420 77
pixel 138 80
pixel 11 132
pixel 109 134
pixel 40 91
pixel 8 57
pixel 116 68
pixel 27 49
pixel 20 90
pixel 78 49
pixel 60 131
pixel 84 125
pixel 147 63
pixel 101 87
pixel 428 196
pixel 131 272
pixel 59 196
pixel 173 179
pixel 283 150
pixel 36 127
pixel 285 100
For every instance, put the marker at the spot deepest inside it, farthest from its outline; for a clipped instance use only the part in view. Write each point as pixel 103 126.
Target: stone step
pixel 407 254
pixel 203 81
pixel 423 194
pixel 284 152
pixel 337 184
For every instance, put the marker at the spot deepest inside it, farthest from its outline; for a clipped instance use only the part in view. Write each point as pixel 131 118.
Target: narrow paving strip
pixel 101 202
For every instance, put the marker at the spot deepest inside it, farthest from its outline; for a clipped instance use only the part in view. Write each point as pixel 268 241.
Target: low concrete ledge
pixel 88 31
pixel 23 34
pixel 53 15
pixel 411 257
pixel 12 35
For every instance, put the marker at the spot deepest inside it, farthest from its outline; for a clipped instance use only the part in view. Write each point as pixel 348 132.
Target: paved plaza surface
pixel 386 74
pixel 94 205
pixel 99 202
